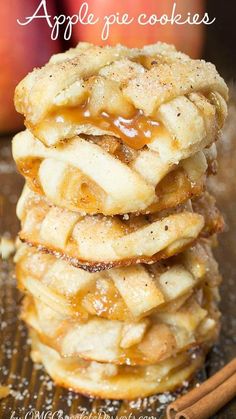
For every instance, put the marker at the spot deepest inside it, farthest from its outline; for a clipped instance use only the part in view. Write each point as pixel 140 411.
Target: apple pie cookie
pixel 154 97
pixel 97 175
pixel 144 117
pixel 129 293
pixel 112 381
pixel 97 242
pixel 145 342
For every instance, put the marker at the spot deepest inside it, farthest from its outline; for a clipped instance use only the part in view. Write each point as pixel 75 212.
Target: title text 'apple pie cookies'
pixel 116 153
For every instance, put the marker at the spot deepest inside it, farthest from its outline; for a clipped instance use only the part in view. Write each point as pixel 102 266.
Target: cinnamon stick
pixel 208 398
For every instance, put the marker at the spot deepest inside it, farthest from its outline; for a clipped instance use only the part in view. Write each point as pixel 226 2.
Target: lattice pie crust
pixel 97 242
pixel 142 116
pixel 146 342
pixel 114 381
pixel 92 175
pixel 124 294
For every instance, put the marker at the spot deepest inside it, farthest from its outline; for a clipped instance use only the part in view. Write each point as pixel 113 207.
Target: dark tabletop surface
pixel 32 388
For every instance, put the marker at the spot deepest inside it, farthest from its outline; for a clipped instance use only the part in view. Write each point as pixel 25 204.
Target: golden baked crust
pixel 117 382
pixel 124 294
pixel 100 175
pixel 98 242
pixel 94 90
pixel 145 342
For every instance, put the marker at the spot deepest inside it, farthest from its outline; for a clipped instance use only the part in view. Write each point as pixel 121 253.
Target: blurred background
pixel 24 47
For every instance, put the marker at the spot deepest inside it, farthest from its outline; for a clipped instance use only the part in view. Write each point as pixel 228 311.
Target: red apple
pixel 21 49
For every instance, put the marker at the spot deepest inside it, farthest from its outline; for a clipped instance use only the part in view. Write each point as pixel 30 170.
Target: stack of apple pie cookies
pixel 115 260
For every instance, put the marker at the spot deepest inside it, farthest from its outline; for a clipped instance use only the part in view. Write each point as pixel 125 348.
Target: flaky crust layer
pixel 96 242
pixel 155 80
pixel 99 175
pixel 150 340
pixel 124 294
pixel 117 382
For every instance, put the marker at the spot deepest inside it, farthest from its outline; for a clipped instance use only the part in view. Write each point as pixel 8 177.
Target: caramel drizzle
pixel 136 131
